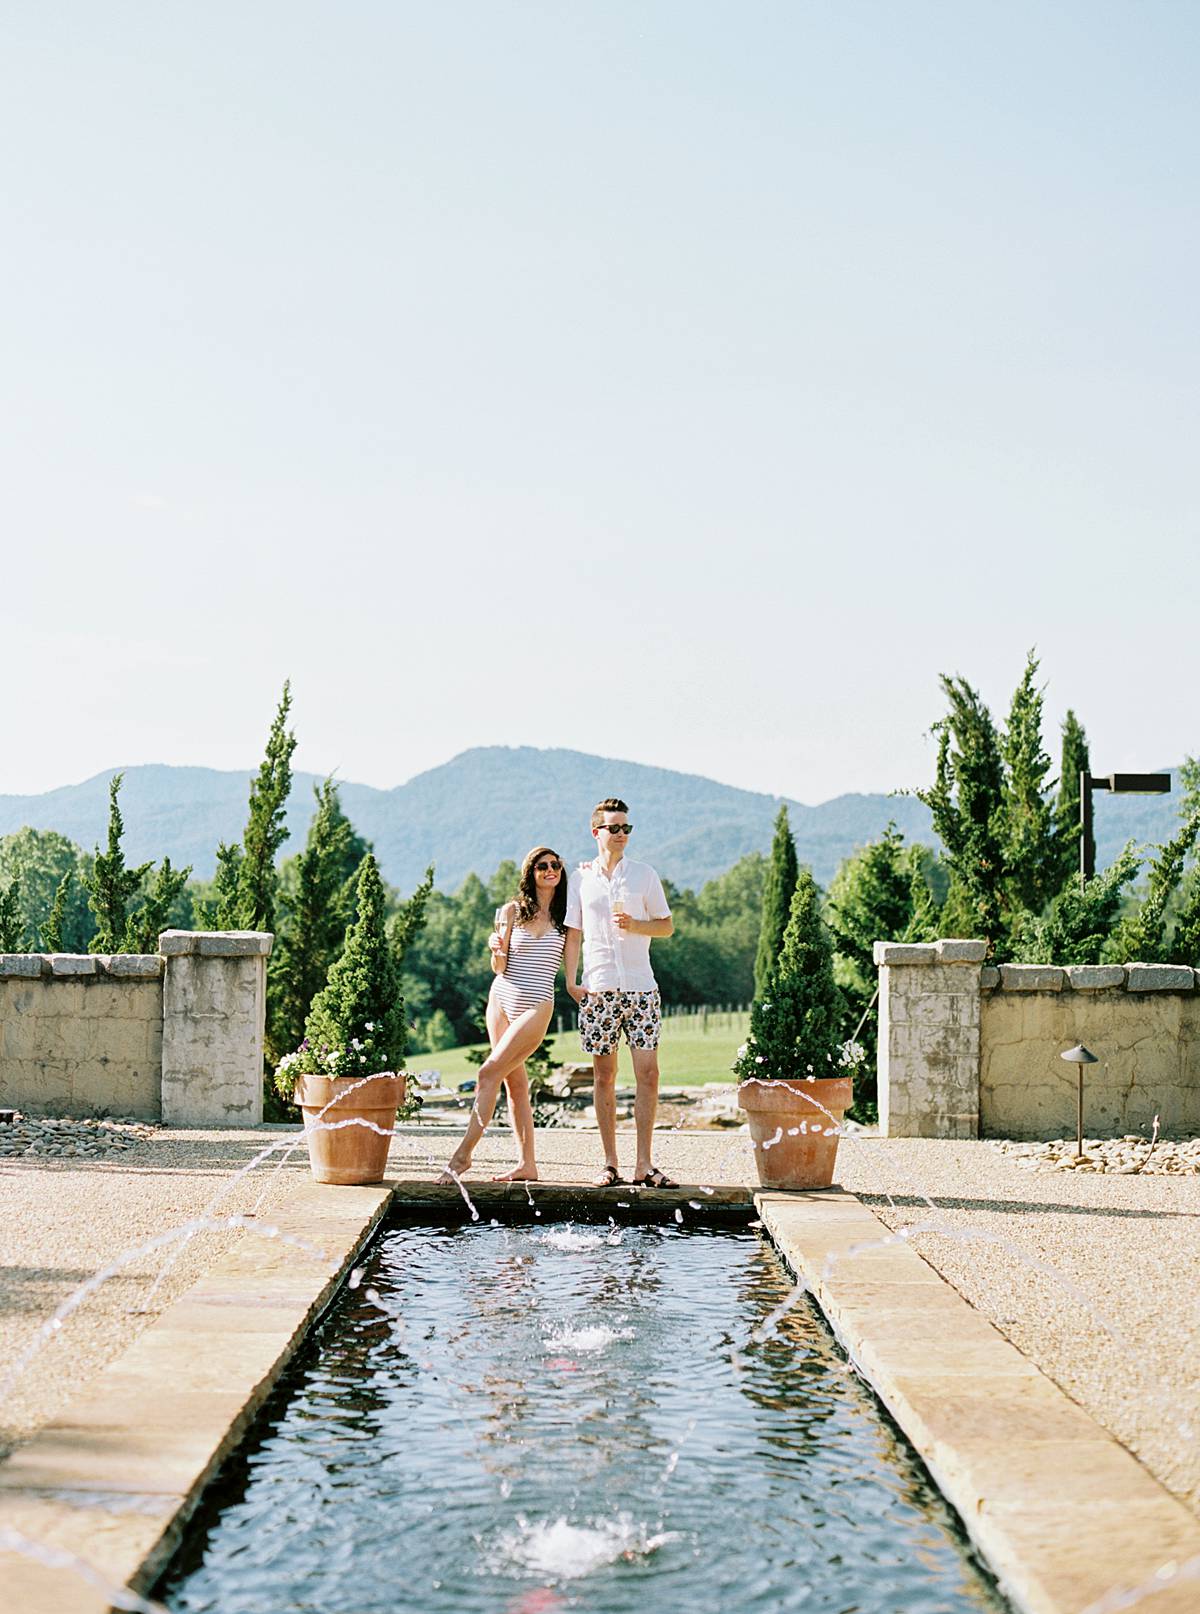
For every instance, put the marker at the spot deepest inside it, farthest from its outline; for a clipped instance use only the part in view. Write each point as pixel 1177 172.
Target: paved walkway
pixel 1117 1324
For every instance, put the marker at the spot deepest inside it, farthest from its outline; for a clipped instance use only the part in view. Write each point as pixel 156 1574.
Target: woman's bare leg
pixel 520 1115
pixel 510 1053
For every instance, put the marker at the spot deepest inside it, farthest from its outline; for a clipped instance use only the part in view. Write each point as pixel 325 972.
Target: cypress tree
pixel 410 920
pixel 967 803
pixel 314 924
pixel 154 916
pixel 1075 760
pixel 266 830
pixel 111 884
pixel 778 887
pixel 794 1025
pixel 53 927
pixel 356 1024
pixel 12 930
pixel 222 913
pixel 1142 936
pixel 1032 857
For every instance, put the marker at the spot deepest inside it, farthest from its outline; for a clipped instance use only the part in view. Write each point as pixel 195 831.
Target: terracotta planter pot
pixel 788 1126
pixel 349 1154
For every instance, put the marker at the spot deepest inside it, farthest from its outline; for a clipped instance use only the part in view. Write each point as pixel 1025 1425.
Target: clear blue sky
pixel 685 382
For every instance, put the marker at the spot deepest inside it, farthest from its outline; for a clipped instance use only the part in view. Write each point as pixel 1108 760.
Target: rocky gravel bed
pixel 49 1138
pixel 1130 1156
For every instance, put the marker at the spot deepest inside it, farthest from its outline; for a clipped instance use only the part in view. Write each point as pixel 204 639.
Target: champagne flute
pixel 498 919
pixel 618 907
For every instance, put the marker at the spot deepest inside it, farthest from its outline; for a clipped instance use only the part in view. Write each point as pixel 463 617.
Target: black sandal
pixel 655 1178
pixel 608 1178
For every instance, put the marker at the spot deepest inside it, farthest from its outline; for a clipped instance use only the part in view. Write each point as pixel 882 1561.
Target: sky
pixel 688 383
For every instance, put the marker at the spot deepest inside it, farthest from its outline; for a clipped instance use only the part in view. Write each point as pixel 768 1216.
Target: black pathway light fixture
pixel 1079 1056
pixel 1121 784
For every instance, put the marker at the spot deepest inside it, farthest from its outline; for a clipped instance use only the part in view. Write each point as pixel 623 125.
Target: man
pixel 615 907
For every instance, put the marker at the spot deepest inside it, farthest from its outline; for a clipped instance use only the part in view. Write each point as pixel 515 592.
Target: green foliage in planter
pixel 795 1027
pixel 778 887
pixel 356 1024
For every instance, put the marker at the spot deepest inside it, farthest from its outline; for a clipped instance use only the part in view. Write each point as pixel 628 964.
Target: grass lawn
pixel 687 1055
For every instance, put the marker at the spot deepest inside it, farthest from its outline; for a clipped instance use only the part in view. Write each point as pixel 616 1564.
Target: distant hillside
pixel 495 802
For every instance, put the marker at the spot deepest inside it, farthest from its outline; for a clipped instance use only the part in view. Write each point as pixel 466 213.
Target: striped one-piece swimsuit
pixel 528 978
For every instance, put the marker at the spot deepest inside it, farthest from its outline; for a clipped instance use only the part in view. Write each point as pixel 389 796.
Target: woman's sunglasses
pixel 548 865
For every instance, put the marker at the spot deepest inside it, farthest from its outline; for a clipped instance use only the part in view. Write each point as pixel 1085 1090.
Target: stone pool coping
pixel 1061 1512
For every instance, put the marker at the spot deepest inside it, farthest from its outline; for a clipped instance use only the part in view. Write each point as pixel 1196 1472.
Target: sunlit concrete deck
pixel 995 1230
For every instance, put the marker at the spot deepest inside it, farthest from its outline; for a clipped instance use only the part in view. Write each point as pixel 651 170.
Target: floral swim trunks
pixel 604 1015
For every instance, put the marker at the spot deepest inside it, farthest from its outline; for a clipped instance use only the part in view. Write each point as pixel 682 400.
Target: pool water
pixel 519 1420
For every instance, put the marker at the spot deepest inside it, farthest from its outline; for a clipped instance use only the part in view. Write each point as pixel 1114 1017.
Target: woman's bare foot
pixel 454 1170
pixel 518 1174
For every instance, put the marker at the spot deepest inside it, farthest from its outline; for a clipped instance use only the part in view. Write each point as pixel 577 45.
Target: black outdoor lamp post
pixel 1121 784
pixel 1079 1056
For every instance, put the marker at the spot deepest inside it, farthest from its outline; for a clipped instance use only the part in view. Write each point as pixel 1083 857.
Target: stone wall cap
pixel 905 952
pixel 131 966
pixel 1032 977
pixel 26 966
pixel 1095 977
pixel 73 963
pixel 1160 977
pixel 989 976
pixel 216 943
pixel 955 950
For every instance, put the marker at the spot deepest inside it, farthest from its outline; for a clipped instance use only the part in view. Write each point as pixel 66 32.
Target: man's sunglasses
pixel 617 829
pixel 548 865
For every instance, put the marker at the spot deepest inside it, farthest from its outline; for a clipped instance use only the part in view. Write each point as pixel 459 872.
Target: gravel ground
pixel 1116 1324
pixel 64 1217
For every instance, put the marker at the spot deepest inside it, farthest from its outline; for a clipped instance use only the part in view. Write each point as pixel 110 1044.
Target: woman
pixel 526 952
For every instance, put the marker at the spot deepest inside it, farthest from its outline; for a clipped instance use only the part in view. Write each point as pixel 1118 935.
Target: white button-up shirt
pixel 615 960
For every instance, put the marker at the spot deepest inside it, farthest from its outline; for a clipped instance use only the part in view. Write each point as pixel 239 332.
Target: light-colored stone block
pixel 1095 977
pixel 905 952
pixel 989 977
pixel 215 943
pixel 22 966
pixel 69 964
pixel 1160 978
pixel 132 966
pixel 214 1018
pixel 955 951
pixel 1031 978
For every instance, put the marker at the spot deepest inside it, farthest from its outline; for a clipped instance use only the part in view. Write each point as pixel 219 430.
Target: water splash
pixel 586 1341
pixel 560 1550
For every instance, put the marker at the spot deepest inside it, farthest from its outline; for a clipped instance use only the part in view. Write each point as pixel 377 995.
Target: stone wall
pixel 968 1050
pixel 175 1036
pixel 81 1035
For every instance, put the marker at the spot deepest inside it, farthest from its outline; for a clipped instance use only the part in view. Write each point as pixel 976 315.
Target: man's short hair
pixel 610 804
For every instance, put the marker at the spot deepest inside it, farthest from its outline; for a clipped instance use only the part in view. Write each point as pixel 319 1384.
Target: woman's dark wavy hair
pixel 527 900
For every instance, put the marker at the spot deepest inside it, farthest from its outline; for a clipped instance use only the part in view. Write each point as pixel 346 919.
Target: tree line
pixel 1006 870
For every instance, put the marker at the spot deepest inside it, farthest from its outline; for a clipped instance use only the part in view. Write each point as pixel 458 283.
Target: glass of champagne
pixel 618 907
pixel 498 919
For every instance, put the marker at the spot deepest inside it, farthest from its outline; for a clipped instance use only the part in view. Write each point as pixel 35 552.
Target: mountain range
pixel 494 802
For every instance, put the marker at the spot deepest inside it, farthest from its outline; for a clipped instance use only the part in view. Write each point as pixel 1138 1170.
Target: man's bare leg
pixel 645 1107
pixel 604 1086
